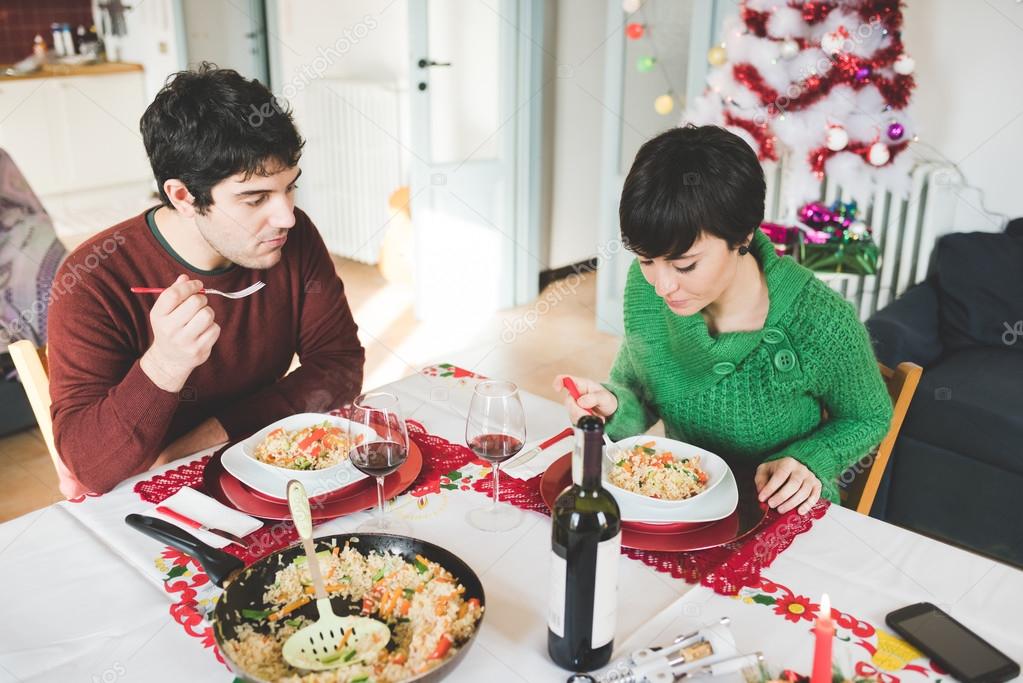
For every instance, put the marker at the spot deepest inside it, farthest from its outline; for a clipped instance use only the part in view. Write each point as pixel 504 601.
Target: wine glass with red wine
pixel 380 457
pixel 495 431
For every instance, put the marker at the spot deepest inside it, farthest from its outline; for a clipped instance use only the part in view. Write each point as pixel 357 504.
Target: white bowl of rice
pixel 310 447
pixel 660 472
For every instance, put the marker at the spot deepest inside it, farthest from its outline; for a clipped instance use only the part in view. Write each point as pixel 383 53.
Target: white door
pixel 229 33
pixel 474 130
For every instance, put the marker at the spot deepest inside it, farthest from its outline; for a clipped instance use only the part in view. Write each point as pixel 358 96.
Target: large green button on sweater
pixel 812 355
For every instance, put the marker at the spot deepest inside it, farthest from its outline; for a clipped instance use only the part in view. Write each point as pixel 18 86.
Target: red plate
pixel 359 496
pixel 665 527
pixel 320 499
pixel 698 536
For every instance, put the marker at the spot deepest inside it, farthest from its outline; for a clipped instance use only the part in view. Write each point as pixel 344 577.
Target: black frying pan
pixel 244 587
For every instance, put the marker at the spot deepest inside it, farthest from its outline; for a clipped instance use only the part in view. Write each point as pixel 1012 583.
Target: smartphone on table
pixel 952 646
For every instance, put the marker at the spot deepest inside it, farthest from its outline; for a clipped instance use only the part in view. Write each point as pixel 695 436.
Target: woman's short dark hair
pixel 210 124
pixel 688 181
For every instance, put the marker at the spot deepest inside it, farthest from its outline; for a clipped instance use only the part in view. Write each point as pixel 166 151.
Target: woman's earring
pixel 743 250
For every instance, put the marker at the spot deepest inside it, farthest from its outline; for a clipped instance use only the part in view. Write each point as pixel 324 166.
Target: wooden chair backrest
pixel 862 490
pixel 33 372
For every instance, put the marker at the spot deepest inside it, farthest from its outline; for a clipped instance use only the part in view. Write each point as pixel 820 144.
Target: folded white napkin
pixel 541 461
pixel 209 512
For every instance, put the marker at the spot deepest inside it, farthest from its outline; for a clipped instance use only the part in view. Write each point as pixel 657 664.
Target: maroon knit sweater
pixel 110 421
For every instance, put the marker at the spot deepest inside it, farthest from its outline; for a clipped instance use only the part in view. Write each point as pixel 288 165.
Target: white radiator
pixel 905 230
pixel 351 163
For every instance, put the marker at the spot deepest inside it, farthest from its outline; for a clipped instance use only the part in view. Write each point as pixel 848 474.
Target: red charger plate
pixel 680 537
pixel 354 498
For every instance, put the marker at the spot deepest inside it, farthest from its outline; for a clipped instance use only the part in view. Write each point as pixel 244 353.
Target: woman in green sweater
pixel 737 350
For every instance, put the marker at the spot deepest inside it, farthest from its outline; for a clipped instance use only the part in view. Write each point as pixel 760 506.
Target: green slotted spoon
pixel 318 647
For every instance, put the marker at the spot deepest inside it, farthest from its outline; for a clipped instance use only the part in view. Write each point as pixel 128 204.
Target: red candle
pixel 823 633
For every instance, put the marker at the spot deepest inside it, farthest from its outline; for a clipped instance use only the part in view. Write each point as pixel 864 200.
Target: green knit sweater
pixel 756 396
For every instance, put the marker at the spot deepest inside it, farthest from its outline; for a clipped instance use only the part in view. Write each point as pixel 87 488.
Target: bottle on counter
pixel 58 41
pixel 67 39
pixel 586 542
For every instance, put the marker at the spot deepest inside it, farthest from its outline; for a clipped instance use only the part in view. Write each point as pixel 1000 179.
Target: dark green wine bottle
pixel 586 542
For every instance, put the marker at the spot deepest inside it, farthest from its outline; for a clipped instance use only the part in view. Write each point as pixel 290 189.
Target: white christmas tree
pixel 824 85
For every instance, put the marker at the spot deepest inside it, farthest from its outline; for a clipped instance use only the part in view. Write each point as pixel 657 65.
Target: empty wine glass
pixel 495 430
pixel 380 457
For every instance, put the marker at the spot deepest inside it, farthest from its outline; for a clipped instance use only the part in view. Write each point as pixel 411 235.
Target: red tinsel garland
pixel 818 157
pixel 765 141
pixel 895 90
pixel 886 11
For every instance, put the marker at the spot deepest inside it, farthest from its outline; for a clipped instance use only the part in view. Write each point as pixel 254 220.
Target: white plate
pixel 714 466
pixel 247 471
pixel 301 421
pixel 717 504
pixel 272 480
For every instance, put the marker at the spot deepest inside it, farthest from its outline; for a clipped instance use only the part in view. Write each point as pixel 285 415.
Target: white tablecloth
pixel 84 596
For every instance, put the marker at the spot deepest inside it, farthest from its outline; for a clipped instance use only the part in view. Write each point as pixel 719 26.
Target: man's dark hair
pixel 688 181
pixel 210 124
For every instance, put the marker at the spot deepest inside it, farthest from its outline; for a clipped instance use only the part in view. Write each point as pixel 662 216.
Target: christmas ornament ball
pixel 645 64
pixel 836 138
pixel 878 155
pixel 904 65
pixel 664 104
pixel 717 56
pixel 631 6
pixel 896 130
pixel 635 31
pixel 789 48
pixel 857 229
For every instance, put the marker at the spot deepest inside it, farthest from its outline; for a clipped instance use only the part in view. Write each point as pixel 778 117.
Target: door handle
pixel 426 63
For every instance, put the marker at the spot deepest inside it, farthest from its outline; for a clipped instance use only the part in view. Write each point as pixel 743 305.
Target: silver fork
pixel 240 294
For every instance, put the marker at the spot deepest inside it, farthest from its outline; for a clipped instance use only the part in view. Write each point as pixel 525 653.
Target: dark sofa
pixel 957 468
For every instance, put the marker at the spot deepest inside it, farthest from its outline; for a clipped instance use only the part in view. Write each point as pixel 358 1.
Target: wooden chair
pixel 32 370
pixel 860 492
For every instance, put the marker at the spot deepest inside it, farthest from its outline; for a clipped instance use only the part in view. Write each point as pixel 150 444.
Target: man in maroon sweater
pixel 140 380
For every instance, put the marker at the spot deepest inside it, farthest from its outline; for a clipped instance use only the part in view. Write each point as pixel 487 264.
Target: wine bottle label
pixel 556 609
pixel 605 591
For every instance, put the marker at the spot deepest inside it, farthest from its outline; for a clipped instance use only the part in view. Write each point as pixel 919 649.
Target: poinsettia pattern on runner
pixel 448 370
pixel 195 595
pixel 888 654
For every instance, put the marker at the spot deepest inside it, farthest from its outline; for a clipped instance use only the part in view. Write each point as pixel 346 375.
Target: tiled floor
pixel 558 336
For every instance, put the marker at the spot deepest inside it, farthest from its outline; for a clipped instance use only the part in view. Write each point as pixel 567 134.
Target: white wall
pixel 580 106
pixel 578 118
pixel 968 104
pixel 363 40
pixel 357 40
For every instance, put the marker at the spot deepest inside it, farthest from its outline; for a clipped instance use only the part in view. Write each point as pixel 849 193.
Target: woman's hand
pixel 786 483
pixel 592 397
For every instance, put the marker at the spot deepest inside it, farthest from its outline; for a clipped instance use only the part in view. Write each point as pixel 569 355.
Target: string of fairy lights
pixel 637 29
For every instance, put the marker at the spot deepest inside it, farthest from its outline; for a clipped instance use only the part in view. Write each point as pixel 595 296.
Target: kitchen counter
pixel 62 70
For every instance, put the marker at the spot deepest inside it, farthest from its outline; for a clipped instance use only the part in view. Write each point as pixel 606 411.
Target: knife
pixel 163 509
pixel 533 452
